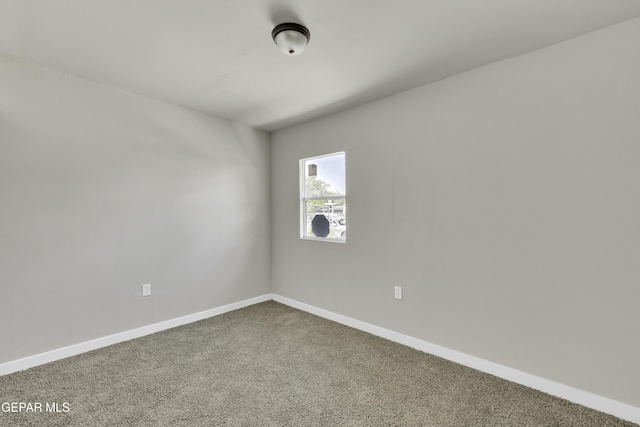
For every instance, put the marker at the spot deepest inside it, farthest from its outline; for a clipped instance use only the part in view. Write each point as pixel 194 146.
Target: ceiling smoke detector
pixel 291 38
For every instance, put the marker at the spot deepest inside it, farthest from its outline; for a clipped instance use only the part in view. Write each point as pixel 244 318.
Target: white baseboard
pixel 572 394
pixel 72 350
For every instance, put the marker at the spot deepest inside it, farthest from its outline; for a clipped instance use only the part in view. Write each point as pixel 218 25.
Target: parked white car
pixel 338 226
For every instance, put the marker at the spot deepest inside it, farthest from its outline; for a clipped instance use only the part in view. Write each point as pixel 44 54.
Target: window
pixel 323 198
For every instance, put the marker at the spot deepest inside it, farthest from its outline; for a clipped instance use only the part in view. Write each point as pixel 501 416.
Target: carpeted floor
pixel 272 365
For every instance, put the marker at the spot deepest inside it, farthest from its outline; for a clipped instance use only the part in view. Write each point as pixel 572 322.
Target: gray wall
pixel 101 191
pixel 504 200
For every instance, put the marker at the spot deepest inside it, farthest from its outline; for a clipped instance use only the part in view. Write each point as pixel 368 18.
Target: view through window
pixel 323 198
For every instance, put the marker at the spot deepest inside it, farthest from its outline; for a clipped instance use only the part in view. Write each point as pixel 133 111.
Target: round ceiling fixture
pixel 291 38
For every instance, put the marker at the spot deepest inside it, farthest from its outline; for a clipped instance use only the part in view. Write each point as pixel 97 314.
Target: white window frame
pixel 302 174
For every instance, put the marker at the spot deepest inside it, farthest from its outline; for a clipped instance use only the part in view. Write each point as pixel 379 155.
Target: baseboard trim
pixel 75 349
pixel 572 394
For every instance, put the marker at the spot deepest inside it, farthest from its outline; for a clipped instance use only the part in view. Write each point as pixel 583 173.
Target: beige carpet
pixel 271 365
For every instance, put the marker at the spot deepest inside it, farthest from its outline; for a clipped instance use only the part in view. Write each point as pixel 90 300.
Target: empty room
pixel 177 179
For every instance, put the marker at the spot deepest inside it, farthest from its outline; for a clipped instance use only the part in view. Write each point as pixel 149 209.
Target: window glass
pixel 329 176
pixel 323 198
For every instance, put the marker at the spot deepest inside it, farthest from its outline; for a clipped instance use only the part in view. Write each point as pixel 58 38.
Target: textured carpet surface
pixel 272 365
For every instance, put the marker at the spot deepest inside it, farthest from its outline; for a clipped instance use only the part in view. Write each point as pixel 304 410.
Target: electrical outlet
pixel 146 290
pixel 397 292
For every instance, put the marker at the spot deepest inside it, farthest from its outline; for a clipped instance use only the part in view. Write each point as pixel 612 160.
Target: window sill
pixel 322 239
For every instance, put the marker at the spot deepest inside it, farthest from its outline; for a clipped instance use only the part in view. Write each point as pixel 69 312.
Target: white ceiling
pixel 217 55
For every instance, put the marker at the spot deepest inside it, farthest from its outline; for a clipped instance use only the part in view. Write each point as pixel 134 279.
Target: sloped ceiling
pixel 217 56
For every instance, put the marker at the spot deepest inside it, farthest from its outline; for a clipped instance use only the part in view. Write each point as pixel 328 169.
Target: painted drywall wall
pixel 505 201
pixel 102 191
